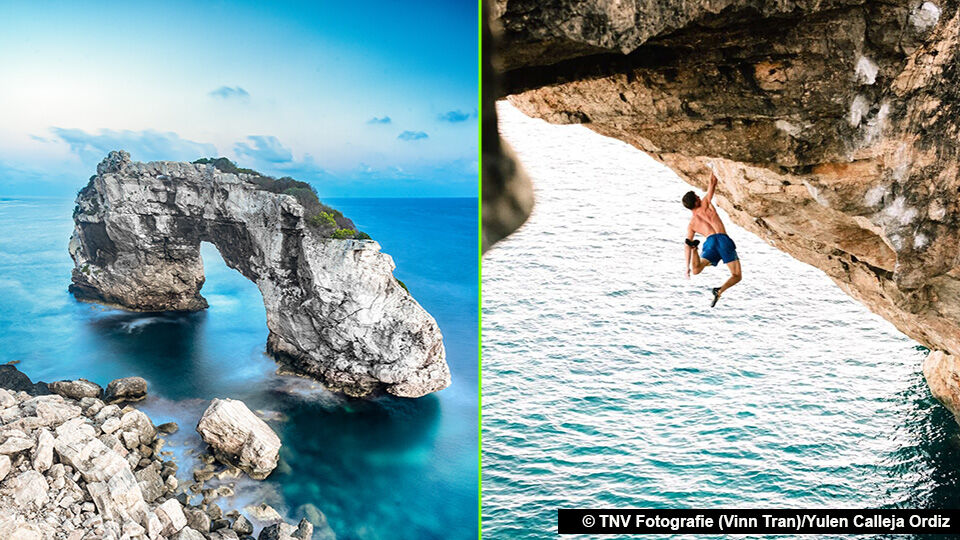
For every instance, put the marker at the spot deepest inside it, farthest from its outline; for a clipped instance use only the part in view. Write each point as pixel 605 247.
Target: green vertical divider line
pixel 480 23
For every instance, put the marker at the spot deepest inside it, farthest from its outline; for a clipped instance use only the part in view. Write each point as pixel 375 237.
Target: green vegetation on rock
pixel 225 165
pixel 323 218
pixel 329 222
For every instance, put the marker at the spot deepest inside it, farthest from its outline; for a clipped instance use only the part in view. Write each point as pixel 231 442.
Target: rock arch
pixel 334 310
pixel 835 125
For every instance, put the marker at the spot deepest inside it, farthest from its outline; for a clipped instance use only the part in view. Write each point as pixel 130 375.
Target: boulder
pixel 43 455
pixel 197 519
pixel 15 444
pixel 70 476
pixel 12 379
pixel 125 389
pixel 238 437
pixel 150 483
pixel 139 424
pixel 277 531
pixel 77 389
pixel 263 513
pixel 30 488
pixel 242 526
pixel 50 410
pixel 321 529
pixel 187 534
pixel 168 428
pixel 171 517
pixel 304 530
pixel 6 399
pixel 110 480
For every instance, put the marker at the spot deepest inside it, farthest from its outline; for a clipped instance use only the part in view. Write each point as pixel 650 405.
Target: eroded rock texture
pixel 507 192
pixel 834 124
pixel 334 310
pixel 238 437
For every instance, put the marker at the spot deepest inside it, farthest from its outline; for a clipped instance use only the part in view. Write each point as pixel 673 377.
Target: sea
pixel 609 382
pixel 387 468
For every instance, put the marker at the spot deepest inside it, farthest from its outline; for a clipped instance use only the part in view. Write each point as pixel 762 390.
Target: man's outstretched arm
pixel 708 198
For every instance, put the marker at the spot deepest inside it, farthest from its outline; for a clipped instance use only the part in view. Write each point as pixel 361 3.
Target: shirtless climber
pixel 717 246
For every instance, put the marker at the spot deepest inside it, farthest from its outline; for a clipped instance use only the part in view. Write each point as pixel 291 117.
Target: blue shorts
pixel 719 246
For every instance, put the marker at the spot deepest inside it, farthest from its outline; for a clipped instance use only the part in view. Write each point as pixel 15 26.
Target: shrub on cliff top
pixel 225 165
pixel 321 219
pixel 319 215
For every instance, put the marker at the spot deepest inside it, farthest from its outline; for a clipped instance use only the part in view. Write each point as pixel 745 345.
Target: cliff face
pixel 334 310
pixel 834 125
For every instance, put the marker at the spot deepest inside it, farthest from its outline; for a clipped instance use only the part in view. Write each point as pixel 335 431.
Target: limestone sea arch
pixel 334 310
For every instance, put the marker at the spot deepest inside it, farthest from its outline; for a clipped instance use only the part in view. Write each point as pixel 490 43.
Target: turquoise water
pixel 609 382
pixel 387 468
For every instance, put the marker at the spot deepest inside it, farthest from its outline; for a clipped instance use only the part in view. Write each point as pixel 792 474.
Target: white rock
pixel 239 437
pixel 263 513
pixel 110 425
pixel 866 71
pixel 30 488
pixel 187 534
pixel 153 525
pixel 4 466
pixel 25 531
pixel 925 16
pixel 6 399
pixel 130 439
pixel 108 411
pixel 133 529
pixel 140 424
pixel 15 445
pixel 77 389
pixel 43 455
pixel 9 414
pixel 171 516
pixel 110 481
pixel 52 410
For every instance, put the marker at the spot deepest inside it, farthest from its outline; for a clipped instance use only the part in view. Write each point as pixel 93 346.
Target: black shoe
pixel 691 243
pixel 716 296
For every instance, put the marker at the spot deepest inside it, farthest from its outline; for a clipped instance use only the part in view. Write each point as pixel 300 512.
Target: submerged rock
pixel 334 309
pixel 279 531
pixel 238 437
pixel 264 513
pixel 126 389
pixel 168 428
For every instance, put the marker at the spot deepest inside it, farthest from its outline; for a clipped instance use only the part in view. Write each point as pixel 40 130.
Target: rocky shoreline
pixel 78 463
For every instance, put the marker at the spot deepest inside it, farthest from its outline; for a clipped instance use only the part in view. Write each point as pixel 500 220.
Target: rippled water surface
pixel 383 469
pixel 609 382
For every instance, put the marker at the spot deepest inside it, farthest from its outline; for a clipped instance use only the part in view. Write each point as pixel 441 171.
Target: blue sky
pixel 362 99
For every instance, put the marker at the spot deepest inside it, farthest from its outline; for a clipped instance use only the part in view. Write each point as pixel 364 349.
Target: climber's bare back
pixel 706 221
